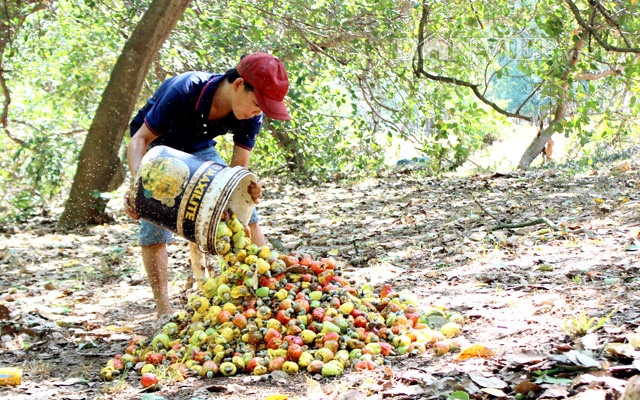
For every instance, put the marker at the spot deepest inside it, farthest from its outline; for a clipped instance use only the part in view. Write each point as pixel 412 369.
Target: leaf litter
pixel 70 302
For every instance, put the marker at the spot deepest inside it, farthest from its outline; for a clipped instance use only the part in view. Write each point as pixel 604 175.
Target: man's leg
pixel 198 266
pixel 155 260
pixel 256 234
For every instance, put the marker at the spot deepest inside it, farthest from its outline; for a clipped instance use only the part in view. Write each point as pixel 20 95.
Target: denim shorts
pixel 151 234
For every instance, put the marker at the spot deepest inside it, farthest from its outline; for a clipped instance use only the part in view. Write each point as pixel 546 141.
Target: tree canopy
pixel 447 76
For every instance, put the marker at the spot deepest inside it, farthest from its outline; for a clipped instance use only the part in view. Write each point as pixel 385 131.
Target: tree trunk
pixel 538 143
pixel 12 16
pixel 99 167
pixel 293 157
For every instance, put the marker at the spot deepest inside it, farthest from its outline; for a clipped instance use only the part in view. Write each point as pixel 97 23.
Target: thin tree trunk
pixel 293 157
pixel 538 143
pixel 12 17
pixel 6 96
pixel 99 166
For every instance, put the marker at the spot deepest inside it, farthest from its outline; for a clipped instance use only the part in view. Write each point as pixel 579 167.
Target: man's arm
pixel 137 149
pixel 241 158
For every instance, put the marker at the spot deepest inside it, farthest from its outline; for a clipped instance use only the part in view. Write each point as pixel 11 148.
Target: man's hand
pixel 137 149
pixel 129 209
pixel 255 190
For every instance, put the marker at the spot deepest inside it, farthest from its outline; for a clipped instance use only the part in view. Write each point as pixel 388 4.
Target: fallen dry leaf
pixel 4 312
pixel 476 350
pixel 494 392
pixel 554 391
pixel 590 394
pixel 414 375
pixel 634 339
pixel 314 390
pixel 614 383
pixel 351 394
pixel 526 387
pixel 621 349
pixel 487 382
pixel 119 329
pixel 526 357
pixel 622 166
pixel 280 376
pixel 412 390
pixel 583 358
pixel 632 390
pixel 216 389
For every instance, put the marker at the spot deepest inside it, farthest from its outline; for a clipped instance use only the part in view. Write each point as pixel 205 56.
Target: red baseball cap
pixel 270 83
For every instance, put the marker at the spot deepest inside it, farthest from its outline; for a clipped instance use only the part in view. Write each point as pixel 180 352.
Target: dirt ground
pixel 557 302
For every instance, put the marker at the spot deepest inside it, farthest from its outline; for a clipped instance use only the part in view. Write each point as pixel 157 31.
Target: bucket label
pixel 193 198
pixel 196 196
pixel 163 179
pixel 186 194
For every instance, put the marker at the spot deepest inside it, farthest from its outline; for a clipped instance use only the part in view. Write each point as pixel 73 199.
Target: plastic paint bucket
pixel 10 376
pixel 187 195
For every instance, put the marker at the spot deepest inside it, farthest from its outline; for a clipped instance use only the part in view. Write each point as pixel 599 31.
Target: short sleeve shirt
pixel 178 114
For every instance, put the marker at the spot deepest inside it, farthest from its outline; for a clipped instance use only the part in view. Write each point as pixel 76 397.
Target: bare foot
pixel 162 320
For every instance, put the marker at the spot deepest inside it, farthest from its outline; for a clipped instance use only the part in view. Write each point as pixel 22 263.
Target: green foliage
pixel 459 395
pixel 521 53
pixel 56 69
pixel 64 62
pixel 33 173
pixel 600 153
pixel 332 132
pixel 583 325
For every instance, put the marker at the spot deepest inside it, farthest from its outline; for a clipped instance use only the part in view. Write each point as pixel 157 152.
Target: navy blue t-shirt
pixel 178 113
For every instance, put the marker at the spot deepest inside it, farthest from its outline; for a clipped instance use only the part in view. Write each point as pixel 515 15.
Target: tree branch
pixel 373 110
pixel 317 48
pixel 529 97
pixel 603 10
pixel 476 14
pixel 541 220
pixel 536 221
pixel 39 131
pixel 485 210
pixel 364 83
pixel 423 22
pixel 594 32
pixel 418 69
pixel 592 76
pixel 5 41
pixel 5 110
pixel 561 108
pixel 475 90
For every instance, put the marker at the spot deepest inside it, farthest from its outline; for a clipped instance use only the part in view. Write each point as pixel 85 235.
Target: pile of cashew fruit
pixel 267 311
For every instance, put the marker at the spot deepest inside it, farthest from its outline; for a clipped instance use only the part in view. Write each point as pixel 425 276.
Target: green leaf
pixel 86 345
pixel 552 379
pixel 460 395
pixel 149 396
